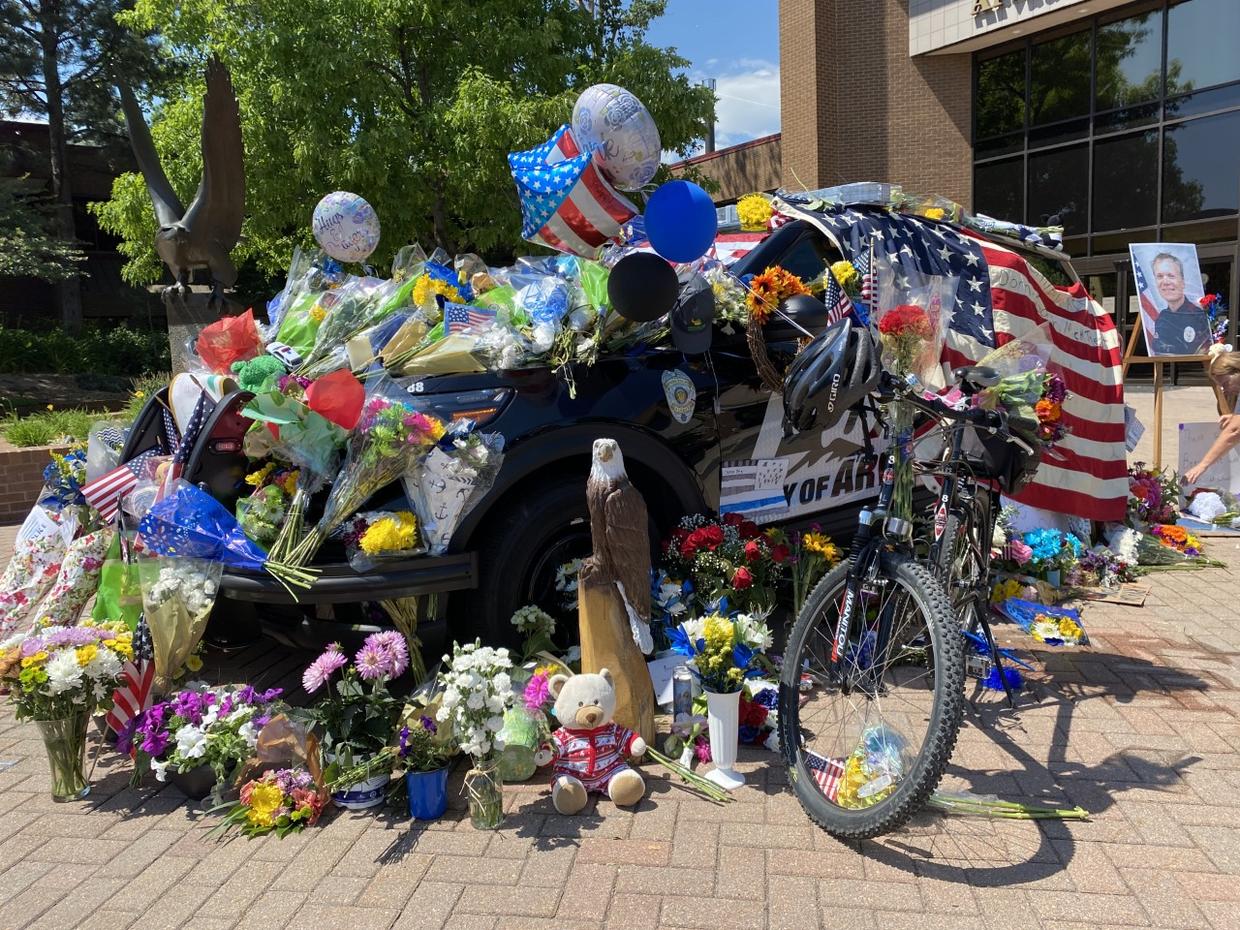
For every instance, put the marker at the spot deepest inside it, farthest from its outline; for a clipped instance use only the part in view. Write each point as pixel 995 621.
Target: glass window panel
pixel 1201 44
pixel 1127 118
pixel 1126 182
pixel 1059 132
pixel 1000 145
pixel 1128 62
pixel 998 189
pixel 1201 169
pixel 1000 100
pixel 1059 186
pixel 1059 79
pixel 1204 101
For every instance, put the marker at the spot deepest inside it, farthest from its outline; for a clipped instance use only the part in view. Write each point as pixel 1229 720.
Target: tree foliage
pixel 414 104
pixel 28 243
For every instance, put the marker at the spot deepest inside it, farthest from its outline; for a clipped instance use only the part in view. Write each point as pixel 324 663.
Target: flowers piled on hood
pixel 187 581
pixel 769 289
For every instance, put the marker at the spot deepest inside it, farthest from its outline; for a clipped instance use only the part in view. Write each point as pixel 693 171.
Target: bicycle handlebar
pixel 994 421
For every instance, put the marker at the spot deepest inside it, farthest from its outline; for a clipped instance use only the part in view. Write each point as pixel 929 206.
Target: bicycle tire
pixel 945 717
pixel 947 570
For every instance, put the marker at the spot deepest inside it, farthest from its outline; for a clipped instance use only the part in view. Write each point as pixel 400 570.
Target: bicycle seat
pixel 977 376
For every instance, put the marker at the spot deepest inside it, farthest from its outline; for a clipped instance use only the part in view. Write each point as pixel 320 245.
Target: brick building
pixel 1118 120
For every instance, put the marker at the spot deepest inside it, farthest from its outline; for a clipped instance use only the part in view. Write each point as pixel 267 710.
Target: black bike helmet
pixel 836 371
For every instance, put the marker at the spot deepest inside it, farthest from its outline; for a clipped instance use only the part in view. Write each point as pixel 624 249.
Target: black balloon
pixel 642 287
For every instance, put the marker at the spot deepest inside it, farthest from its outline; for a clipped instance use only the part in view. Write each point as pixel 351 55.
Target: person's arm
pixel 1228 438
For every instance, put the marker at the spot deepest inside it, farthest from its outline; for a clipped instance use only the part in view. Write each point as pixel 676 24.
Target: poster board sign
pixel 1169 289
pixel 1195 441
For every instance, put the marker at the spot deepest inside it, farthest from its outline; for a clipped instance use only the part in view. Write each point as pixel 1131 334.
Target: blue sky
pixel 737 43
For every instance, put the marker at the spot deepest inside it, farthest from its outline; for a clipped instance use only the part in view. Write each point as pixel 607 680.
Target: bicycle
pixel 978 462
pixel 878 644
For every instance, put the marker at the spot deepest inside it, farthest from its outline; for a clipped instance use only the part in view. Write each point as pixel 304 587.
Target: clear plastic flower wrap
pixel 177 598
pixel 454 476
pixel 913 317
pixel 355 306
pixel 377 536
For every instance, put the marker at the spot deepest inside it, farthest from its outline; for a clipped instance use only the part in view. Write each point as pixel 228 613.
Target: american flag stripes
pixel 458 318
pixel 1147 305
pixel 864 264
pixel 133 696
pixel 189 438
pixel 566 203
pixel 106 491
pixel 827 773
pixel 1001 296
pixel 837 302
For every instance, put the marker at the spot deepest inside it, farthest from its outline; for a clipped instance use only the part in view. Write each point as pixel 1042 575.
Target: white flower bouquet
pixel 444 487
pixel 177 598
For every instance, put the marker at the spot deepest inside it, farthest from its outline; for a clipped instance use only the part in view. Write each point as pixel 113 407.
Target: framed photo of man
pixel 1169 289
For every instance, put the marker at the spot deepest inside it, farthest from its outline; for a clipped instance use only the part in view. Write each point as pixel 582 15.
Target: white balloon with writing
pixel 609 121
pixel 346 227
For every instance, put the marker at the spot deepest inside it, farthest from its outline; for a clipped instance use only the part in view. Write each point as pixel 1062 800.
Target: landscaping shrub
pixel 121 350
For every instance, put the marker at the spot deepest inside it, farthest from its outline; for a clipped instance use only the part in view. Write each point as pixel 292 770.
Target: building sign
pixel 986 6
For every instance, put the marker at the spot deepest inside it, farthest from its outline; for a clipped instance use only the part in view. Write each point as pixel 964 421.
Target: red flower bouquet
pixel 730 557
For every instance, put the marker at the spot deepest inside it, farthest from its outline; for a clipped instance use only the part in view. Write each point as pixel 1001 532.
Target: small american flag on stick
pixel 827 773
pixel 106 491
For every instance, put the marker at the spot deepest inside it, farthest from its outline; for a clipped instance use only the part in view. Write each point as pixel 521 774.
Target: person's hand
pixel 1193 475
pixel 1224 420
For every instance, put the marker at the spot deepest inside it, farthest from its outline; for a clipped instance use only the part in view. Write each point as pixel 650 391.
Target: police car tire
pixel 946 714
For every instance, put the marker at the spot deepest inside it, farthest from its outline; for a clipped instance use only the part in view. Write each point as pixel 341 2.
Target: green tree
pixel 414 104
pixel 28 246
pixel 55 58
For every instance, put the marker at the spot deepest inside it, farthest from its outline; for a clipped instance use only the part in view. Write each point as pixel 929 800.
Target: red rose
pixel 752 714
pixel 749 530
pixel 711 536
pixel 690 544
pixel 779 554
pixel 733 519
pixel 741 579
pixel 753 551
pixel 1207 301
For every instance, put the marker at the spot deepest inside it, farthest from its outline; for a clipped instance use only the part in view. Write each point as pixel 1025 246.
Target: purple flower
pixel 402 748
pixel 537 693
pixel 371 663
pixel 391 646
pixel 320 671
pixel 428 724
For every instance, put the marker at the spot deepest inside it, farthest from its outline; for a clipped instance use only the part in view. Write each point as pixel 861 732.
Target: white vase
pixel 722 720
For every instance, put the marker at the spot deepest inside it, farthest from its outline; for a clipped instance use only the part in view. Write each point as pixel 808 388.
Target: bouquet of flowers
pixel 538 628
pixel 1219 507
pixel 1051 551
pixel 1216 309
pixel 1101 567
pixel 421 748
pixel 280 801
pixel 477 693
pixel 754 211
pixel 59 672
pixel 688 739
pixel 63 478
pixel 38 552
pixel 178 596
pixel 813 555
pixel 389 438
pixel 769 289
pixel 216 727
pixel 78 579
pixel 1177 538
pixel 378 536
pixel 263 512
pixel 357 716
pixel 459 470
pixel 1049 410
pixel 1054 626
pixel 722 651
pixel 1153 495
pixel 727 558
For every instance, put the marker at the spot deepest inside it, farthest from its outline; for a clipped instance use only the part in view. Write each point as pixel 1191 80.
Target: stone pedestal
pixel 187 318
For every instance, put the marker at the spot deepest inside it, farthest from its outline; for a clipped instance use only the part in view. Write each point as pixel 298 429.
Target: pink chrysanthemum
pixel 320 671
pixel 371 662
pixel 392 646
pixel 537 693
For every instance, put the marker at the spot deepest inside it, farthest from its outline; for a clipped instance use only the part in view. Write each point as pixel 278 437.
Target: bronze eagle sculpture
pixel 619 531
pixel 202 236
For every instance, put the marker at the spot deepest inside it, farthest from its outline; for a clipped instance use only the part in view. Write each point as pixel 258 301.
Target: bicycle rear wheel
pixel 865 748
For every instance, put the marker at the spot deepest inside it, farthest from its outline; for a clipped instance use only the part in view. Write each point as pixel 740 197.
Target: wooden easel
pixel 1158 361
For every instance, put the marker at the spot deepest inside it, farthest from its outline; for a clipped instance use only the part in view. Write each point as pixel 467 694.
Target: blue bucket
pixel 428 793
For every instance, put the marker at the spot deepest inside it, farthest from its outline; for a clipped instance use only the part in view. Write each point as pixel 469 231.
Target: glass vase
pixel 485 787
pixel 524 731
pixel 65 742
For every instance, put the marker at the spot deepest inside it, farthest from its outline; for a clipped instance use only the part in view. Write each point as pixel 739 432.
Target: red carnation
pixel 749 530
pixel 742 579
pixel 779 553
pixel 1208 300
pixel 753 551
pixel 711 536
pixel 905 320
pixel 733 519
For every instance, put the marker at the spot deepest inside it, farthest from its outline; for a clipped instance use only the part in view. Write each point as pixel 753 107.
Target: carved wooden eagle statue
pixel 202 236
pixel 619 530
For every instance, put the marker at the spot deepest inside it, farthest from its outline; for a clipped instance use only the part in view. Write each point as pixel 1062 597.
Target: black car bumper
pixel 340 584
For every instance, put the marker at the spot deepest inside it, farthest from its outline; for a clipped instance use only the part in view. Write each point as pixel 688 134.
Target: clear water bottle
pixel 682 690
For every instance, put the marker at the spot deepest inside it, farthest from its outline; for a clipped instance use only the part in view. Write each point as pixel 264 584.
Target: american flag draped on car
pixel 566 203
pixel 1001 296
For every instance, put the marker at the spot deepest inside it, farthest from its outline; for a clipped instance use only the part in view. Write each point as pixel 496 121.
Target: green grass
pixel 51 427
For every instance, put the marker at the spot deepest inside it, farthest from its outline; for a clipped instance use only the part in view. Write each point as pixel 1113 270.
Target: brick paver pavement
pixel 1142 729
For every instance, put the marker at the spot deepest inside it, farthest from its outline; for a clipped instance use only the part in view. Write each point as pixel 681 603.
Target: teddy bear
pixel 590 749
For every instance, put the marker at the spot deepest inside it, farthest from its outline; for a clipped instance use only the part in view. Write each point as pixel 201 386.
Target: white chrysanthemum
pixel 105 666
pixel 63 672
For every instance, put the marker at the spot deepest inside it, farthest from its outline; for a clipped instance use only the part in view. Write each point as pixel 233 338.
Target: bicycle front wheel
pixel 868 739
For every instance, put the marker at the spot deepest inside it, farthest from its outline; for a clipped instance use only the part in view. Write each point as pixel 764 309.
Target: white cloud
pixel 748 107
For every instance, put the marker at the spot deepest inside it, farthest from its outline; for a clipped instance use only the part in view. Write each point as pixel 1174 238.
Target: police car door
pixel 770 477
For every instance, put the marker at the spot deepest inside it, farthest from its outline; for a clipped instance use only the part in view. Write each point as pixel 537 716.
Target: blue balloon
pixel 680 220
